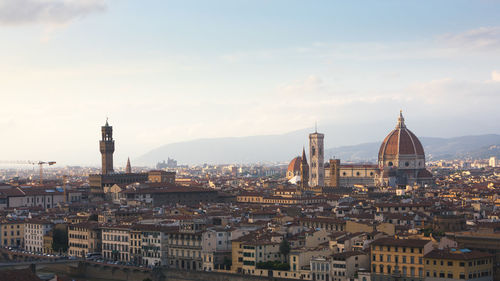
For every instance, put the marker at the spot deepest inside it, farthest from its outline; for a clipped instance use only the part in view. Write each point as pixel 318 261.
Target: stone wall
pixel 86 270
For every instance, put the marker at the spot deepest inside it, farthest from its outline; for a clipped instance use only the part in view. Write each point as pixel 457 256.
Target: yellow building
pixel 462 264
pixel 403 258
pixel 84 238
pixel 12 233
pixel 136 245
pixel 47 243
pixel 237 256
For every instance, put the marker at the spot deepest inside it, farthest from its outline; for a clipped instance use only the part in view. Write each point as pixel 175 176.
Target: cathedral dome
pixel 400 141
pixel 293 167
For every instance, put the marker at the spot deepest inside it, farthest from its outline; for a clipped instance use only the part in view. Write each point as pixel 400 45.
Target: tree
pixel 285 248
pixel 93 217
pixel 59 240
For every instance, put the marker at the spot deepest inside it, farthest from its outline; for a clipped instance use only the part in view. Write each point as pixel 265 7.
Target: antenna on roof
pixel 316 126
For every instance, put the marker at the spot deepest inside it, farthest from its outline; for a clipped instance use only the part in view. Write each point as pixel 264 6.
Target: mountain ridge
pixel 284 147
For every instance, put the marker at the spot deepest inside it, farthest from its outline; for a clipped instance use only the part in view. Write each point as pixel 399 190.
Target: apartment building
pixel 84 238
pixel 399 257
pixel 12 233
pixel 461 264
pixel 116 243
pixel 185 247
pixel 34 231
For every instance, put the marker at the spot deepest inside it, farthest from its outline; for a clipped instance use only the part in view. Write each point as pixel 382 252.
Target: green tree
pixel 285 248
pixel 93 217
pixel 59 240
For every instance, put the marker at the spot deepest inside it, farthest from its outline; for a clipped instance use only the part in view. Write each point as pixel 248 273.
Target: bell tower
pixel 316 155
pixel 107 147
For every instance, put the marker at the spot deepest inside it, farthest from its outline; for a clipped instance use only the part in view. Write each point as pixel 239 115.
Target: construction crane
pixel 39 163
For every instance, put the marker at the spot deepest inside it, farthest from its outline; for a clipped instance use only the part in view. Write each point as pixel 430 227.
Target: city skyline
pixel 177 71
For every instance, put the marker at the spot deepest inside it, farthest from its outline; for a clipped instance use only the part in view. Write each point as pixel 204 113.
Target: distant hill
pixel 475 147
pixel 275 148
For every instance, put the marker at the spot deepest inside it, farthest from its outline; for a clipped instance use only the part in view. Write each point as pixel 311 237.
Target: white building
pixel 34 230
pixel 493 161
pixel 216 246
pixel 116 243
pixel 154 247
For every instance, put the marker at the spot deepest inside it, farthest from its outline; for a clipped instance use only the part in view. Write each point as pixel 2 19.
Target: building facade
pixel 84 238
pixel 116 243
pixel 12 233
pixel 34 231
pixel 398 258
pixel 461 264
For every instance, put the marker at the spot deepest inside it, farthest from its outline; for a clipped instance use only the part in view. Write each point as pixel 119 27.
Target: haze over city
pixel 171 71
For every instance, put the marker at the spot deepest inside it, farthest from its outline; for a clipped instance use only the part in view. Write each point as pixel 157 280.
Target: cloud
pixel 479 38
pixel 495 75
pixel 312 84
pixel 20 12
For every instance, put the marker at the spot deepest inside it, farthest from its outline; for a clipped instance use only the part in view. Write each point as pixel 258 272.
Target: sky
pixel 168 71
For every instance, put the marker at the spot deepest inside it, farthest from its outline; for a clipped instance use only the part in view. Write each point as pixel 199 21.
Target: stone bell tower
pixel 316 155
pixel 107 147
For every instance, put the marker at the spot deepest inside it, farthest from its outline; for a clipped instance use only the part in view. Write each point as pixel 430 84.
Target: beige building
pixel 161 176
pixel 453 264
pixel 84 238
pixel 349 175
pixel 12 233
pixel 403 257
pixel 116 243
pixel 185 247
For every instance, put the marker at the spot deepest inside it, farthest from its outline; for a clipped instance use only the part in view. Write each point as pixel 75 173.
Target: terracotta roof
pixel 457 254
pixel 401 141
pixel 294 165
pixel 417 243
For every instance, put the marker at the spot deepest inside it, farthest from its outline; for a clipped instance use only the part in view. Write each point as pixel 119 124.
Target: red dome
pixel 294 165
pixel 401 141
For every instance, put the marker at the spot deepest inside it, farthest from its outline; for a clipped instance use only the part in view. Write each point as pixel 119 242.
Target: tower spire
pixel 304 170
pixel 128 169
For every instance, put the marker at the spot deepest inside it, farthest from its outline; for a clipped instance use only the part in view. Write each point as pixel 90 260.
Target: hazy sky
pixel 167 71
